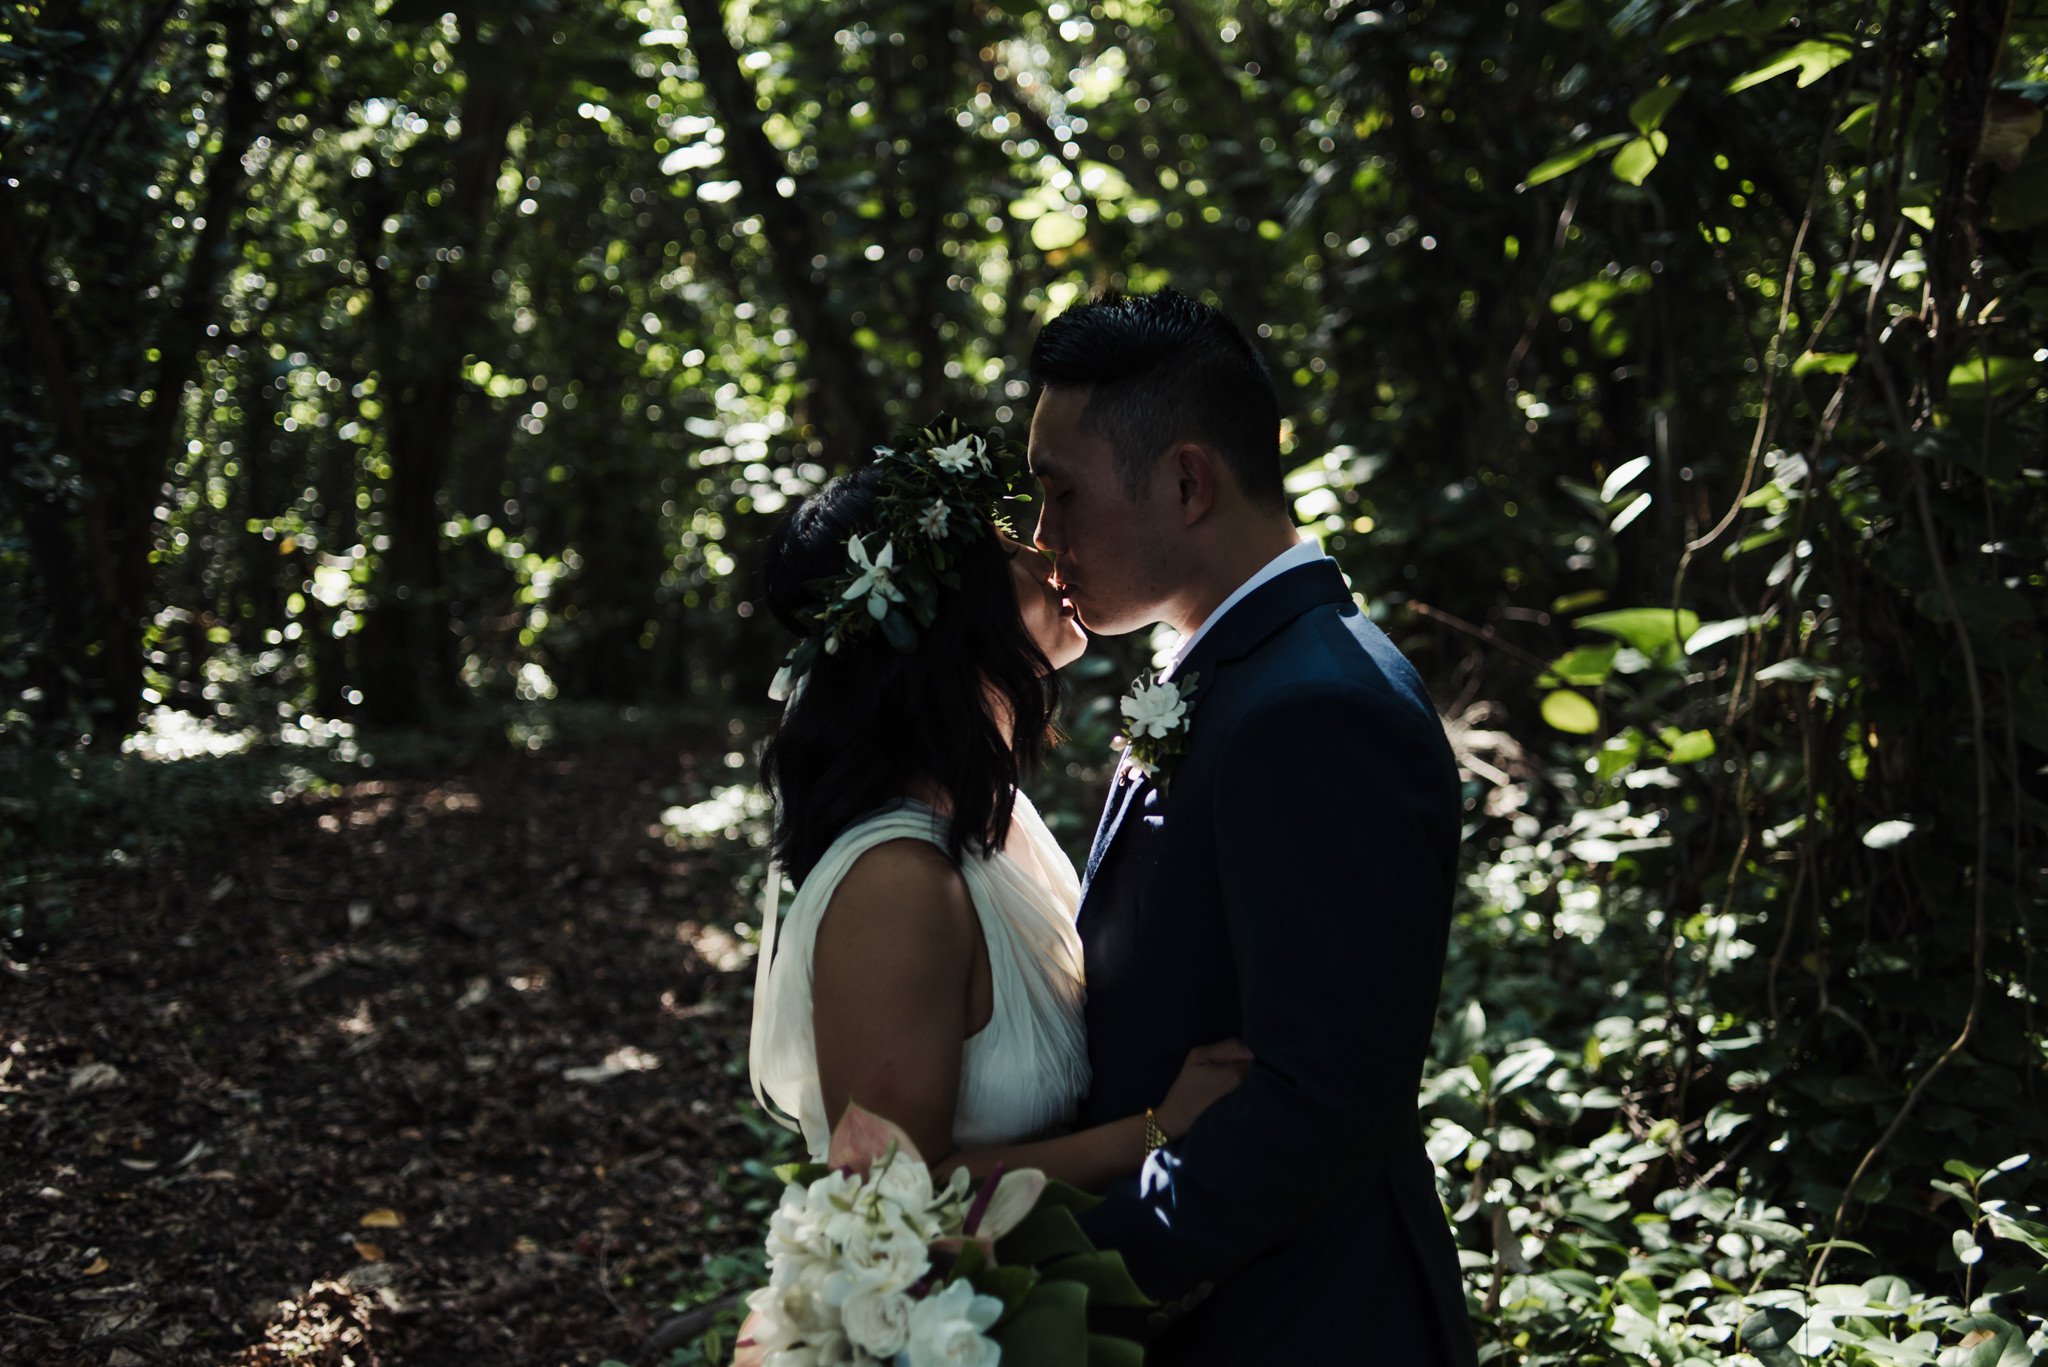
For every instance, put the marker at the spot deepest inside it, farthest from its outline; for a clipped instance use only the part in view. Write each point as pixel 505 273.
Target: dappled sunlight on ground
pixel 430 1068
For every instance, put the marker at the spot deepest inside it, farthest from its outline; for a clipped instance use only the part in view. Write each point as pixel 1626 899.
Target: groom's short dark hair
pixel 1167 368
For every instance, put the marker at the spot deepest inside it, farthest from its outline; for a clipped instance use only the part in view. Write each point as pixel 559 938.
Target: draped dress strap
pixel 1023 1074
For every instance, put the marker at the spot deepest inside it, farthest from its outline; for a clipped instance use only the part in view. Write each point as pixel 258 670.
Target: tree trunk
pixel 408 652
pixel 843 395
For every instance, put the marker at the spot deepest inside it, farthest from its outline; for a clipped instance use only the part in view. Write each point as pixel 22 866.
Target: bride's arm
pixel 891 976
pixel 1093 1158
pixel 891 987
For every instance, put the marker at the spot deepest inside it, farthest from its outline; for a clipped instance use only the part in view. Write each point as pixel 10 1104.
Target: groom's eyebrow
pixel 1042 469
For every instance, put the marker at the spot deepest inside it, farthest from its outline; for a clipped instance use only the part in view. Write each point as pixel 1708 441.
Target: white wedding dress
pixel 1023 1075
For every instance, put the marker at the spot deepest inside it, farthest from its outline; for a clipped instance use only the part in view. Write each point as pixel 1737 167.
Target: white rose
pixel 830 1195
pixel 887 1256
pixel 793 1311
pixel 1153 709
pixel 793 1235
pixel 773 1330
pixel 878 1321
pixel 907 1182
pixel 947 1330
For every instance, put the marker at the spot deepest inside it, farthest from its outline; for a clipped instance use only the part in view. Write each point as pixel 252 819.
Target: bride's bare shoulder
pixel 901 885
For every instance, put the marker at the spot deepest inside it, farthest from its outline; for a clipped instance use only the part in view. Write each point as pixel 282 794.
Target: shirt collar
pixel 1304 552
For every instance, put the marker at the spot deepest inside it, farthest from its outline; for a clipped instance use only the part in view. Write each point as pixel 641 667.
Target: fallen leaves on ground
pixel 468 1011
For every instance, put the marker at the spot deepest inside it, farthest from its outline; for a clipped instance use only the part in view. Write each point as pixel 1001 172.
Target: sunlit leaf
pixel 1050 232
pixel 1623 475
pixel 1691 747
pixel 1649 109
pixel 1982 375
pixel 1824 362
pixel 1639 505
pixel 1634 162
pixel 1566 162
pixel 1647 629
pixel 1886 834
pixel 1713 633
pixel 1586 667
pixel 1569 711
pixel 1812 59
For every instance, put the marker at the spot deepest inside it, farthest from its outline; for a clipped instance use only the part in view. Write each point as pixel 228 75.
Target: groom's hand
pixel 1212 1072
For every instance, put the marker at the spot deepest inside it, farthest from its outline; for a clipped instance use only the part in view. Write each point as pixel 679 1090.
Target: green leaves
pixel 1571 712
pixel 1772 1335
pixel 1649 630
pixel 1731 18
pixel 1050 1329
pixel 1648 111
pixel 1046 1234
pixel 1981 376
pixel 1586 667
pixel 1572 159
pixel 1812 59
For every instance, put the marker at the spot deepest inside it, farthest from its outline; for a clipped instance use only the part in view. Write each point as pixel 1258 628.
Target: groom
pixel 1287 881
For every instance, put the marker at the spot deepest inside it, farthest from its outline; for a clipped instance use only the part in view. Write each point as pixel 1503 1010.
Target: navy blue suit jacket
pixel 1291 886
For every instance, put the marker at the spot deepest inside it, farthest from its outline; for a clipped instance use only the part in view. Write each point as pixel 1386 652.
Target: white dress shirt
pixel 1304 552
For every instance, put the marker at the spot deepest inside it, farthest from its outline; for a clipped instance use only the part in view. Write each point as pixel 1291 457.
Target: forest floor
pixel 429 1068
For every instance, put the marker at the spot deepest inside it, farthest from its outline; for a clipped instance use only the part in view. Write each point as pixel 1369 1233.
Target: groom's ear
pixel 1195 472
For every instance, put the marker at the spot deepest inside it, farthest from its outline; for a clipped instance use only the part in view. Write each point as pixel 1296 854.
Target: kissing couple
pixel 1219 1026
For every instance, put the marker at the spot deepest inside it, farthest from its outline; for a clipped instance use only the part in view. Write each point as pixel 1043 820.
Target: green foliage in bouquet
pixel 1047 1274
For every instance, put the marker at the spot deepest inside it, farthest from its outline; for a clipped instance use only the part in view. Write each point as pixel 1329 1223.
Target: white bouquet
pixel 870 1261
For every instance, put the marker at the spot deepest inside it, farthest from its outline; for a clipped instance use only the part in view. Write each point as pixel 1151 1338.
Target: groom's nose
pixel 1048 535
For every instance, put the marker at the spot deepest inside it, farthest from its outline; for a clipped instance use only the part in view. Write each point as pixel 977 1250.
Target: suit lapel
pixel 1241 631
pixel 1113 811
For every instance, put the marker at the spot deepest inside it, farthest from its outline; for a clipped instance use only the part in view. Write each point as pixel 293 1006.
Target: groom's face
pixel 1115 555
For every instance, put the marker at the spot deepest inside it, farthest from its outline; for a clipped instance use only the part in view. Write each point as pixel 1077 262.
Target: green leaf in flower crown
pixel 1104 1274
pixel 897 631
pixel 1049 1330
pixel 1048 1232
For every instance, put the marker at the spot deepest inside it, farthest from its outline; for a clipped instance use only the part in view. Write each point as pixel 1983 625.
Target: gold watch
pixel 1155 1138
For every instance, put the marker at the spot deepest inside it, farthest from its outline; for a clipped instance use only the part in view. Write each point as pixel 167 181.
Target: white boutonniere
pixel 1156 718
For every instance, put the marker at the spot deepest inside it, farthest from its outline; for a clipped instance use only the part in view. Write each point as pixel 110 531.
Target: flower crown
pixel 940 484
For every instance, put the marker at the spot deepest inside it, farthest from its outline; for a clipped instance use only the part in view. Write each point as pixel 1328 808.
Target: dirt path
pixel 443 1069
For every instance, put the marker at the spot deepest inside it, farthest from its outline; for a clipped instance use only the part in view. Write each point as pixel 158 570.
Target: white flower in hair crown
pixel 1157 714
pixel 939 493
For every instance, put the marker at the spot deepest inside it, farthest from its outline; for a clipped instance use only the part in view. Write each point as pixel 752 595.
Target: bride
pixel 928 967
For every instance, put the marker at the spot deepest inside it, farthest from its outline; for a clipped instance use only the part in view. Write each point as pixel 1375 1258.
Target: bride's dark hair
pixel 872 719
